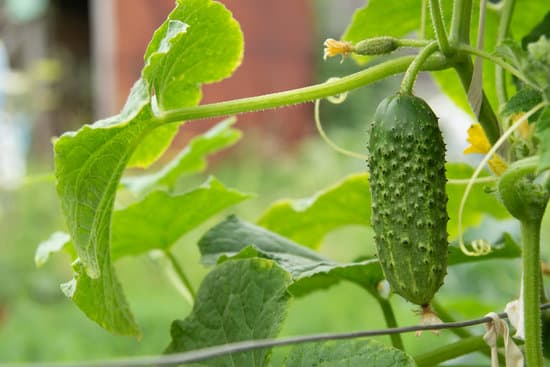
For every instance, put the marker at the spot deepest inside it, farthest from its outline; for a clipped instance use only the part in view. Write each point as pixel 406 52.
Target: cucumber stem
pixel 180 273
pixel 300 95
pixel 391 322
pixel 452 351
pixel 530 232
pixel 412 71
pixel 439 28
pixel 503 26
pixel 460 22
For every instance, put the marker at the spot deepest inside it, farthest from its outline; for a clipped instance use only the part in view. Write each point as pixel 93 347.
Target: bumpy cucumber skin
pixel 409 201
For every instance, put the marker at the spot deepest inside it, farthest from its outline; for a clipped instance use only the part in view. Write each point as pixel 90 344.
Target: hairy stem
pixel 412 71
pixel 301 95
pixel 451 351
pixel 503 26
pixel 391 322
pixel 439 28
pixel 487 117
pixel 460 23
pixel 530 232
pixel 180 273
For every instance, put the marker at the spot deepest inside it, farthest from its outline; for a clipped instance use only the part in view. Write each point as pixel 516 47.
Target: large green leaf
pixel 234 238
pixel 160 218
pixel 349 353
pixel 199 43
pixel 192 159
pixel 88 167
pixel 307 221
pixel 238 300
pixel 90 162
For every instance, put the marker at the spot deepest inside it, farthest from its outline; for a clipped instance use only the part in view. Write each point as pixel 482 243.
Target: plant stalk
pixel 301 95
pixel 391 322
pixel 460 22
pixel 487 117
pixel 180 273
pixel 412 71
pixel 503 26
pixel 530 232
pixel 439 28
pixel 452 351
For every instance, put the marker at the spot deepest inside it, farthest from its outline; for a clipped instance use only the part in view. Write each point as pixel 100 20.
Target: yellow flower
pixel 526 129
pixel 479 144
pixel 477 139
pixel 334 48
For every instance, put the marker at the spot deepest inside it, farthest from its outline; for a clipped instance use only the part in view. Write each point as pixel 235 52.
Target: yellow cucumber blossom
pixel 479 144
pixel 334 48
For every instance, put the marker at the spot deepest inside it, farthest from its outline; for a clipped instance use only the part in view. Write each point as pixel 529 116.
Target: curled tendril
pixel 337 99
pixel 478 247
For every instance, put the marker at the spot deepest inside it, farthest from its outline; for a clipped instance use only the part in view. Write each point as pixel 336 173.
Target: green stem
pixel 487 117
pixel 306 94
pixel 422 33
pixel 451 351
pixel 412 71
pixel 412 42
pixel 439 28
pixel 530 232
pixel 180 273
pixel 503 26
pixel 442 313
pixel 460 23
pixel 391 322
pixel 444 316
pixel 503 64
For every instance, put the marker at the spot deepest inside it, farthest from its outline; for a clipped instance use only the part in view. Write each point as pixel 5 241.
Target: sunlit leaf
pixel 238 300
pixel 90 162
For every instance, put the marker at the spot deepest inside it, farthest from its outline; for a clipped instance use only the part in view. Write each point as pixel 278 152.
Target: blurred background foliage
pixel 51 91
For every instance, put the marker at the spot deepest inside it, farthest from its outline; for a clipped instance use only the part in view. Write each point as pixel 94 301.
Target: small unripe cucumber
pixel 409 202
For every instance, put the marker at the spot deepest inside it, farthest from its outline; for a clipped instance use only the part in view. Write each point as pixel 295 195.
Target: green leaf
pixel 522 101
pixel 542 132
pixel 90 162
pixel 383 18
pixel 153 146
pixel 102 299
pixel 234 238
pixel 192 159
pixel 199 43
pixel 350 353
pixel 57 242
pixel 307 221
pixel 541 29
pixel 160 218
pixel 238 300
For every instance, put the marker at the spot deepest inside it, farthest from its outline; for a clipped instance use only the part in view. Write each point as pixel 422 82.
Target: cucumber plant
pixel 259 267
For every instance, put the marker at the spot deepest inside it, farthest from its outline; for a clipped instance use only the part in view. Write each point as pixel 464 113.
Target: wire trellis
pixel 245 346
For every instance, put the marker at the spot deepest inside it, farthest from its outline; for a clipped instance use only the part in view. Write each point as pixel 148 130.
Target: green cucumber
pixel 409 201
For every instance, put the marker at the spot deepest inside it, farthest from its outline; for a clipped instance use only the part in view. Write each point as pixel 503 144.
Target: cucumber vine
pixel 259 267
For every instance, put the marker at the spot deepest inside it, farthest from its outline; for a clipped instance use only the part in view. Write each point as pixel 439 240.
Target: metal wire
pixel 245 346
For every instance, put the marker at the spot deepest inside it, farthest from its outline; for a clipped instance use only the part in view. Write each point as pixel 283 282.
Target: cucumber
pixel 409 201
